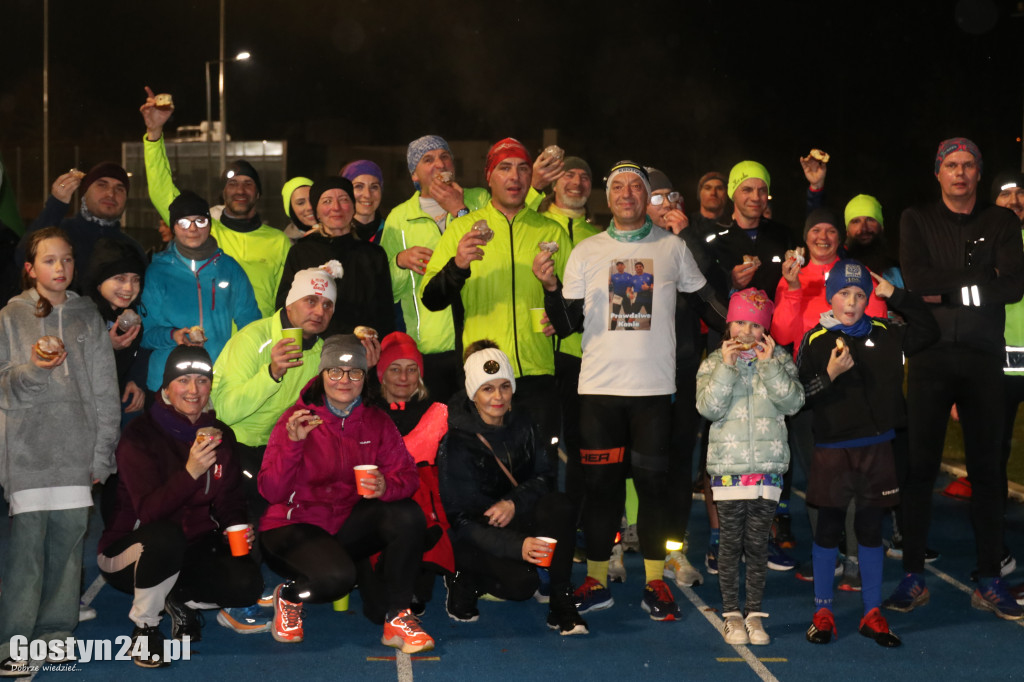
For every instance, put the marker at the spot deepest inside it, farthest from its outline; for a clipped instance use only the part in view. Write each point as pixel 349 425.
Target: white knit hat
pixel 484 365
pixel 316 282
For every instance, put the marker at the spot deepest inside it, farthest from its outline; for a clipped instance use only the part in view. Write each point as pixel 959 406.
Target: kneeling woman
pixel 320 527
pixel 164 541
pixel 496 487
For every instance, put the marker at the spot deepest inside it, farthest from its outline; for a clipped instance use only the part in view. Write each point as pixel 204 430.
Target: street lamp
pixel 241 56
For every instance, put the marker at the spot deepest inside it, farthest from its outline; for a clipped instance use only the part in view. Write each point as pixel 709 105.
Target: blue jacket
pixel 175 289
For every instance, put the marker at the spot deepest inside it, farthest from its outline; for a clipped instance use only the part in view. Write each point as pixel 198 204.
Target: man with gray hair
pixel 411 232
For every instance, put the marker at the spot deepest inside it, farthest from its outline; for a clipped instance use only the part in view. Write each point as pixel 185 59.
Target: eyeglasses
pixel 659 199
pixel 336 373
pixel 201 223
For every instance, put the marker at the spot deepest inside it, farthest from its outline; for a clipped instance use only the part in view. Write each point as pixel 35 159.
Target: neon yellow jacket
pixel 261 253
pixel 244 394
pixel 406 226
pixel 576 229
pixel 502 288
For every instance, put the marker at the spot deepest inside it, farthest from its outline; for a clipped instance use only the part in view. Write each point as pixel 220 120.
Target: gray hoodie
pixel 58 427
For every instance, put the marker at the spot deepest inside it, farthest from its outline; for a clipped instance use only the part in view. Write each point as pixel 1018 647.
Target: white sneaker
pixel 734 631
pixel 616 569
pixel 755 629
pixel 678 568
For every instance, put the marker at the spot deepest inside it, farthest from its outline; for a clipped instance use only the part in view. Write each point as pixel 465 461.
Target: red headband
pixel 505 149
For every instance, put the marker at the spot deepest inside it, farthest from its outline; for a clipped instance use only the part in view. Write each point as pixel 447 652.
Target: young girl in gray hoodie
pixel 59 421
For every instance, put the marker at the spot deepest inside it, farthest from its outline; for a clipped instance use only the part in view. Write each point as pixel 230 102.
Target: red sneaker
pixel 823 627
pixel 287 619
pixel 874 625
pixel 405 632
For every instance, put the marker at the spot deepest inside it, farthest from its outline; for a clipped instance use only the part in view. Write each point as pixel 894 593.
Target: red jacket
pixel 798 312
pixel 312 481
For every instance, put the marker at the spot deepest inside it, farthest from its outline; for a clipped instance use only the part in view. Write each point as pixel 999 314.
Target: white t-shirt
pixel 629 302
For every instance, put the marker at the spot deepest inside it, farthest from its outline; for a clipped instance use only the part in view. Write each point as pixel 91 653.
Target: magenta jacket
pixel 312 481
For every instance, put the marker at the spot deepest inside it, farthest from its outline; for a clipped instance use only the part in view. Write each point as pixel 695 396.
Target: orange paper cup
pixel 237 539
pixel 550 542
pixel 363 472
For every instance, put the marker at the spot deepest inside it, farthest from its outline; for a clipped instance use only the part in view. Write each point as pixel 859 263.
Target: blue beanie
pixel 847 273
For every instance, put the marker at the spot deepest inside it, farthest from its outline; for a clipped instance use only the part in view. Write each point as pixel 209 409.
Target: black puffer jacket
pixel 471 480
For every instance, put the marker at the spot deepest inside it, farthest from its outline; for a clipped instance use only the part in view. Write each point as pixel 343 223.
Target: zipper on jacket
pixel 512 258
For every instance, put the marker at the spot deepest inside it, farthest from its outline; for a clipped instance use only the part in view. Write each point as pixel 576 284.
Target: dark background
pixel 685 86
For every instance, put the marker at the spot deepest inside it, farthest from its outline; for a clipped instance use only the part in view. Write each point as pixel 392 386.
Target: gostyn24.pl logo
pixel 72 650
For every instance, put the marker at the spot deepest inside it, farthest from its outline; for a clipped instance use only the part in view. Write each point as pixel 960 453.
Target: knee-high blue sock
pixel 871 560
pixel 824 562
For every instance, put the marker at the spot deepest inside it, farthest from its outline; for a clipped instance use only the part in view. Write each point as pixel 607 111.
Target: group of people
pixel 339 394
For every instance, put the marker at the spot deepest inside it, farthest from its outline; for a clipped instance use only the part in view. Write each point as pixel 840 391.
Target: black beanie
pixel 333 182
pixel 187 360
pixel 188 203
pixel 105 169
pixel 1007 180
pixel 113 257
pixel 824 215
pixel 242 167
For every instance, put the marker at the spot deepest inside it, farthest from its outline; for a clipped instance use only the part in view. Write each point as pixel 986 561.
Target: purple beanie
pixel 362 167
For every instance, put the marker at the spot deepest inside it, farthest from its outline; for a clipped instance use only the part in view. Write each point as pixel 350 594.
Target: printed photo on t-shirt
pixel 630 294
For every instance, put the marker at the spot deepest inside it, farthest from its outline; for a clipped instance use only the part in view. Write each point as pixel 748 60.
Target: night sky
pixel 687 86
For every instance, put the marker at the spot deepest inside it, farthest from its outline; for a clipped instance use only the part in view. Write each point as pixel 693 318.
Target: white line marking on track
pixel 93 590
pixel 757 666
pixel 404 665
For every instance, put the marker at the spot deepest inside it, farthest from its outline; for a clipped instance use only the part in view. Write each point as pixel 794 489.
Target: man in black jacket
pixel 965 258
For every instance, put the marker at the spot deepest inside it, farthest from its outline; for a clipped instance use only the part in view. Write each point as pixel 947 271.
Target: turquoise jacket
pixel 214 294
pixel 261 253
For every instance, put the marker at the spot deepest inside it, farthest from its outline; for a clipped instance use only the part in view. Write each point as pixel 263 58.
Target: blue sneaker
pixel 543 593
pixel 592 596
pixel 711 559
pixel 909 594
pixel 244 619
pixel 993 596
pixel 659 602
pixel 778 560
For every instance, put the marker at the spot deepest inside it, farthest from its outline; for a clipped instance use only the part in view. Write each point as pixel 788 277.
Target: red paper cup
pixel 237 539
pixel 364 472
pixel 550 542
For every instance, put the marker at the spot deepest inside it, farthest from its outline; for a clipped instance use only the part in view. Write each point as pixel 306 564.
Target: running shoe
pixel 1007 565
pixel 562 613
pixel 461 601
pixel 909 594
pixel 405 633
pixel 592 596
pixel 996 598
pixel 184 620
pixel 850 582
pixel 12 668
pixel 148 647
pixel 244 620
pixel 778 560
pixel 874 626
pixel 659 602
pixel 678 568
pixel 823 627
pixel 894 550
pixel 287 619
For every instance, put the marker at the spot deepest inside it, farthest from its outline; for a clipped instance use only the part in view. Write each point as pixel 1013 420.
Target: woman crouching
pixel 321 526
pixel 496 487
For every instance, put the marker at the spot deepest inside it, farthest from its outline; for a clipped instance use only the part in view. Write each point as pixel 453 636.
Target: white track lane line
pixel 93 590
pixel 404 665
pixel 751 660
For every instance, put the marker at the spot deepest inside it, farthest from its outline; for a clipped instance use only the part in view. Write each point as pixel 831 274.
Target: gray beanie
pixel 343 350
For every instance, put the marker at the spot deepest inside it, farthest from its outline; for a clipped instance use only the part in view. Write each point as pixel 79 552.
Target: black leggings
pixel 867 524
pixel 512 578
pixel 567 376
pixel 623 435
pixel 144 562
pixel 323 567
